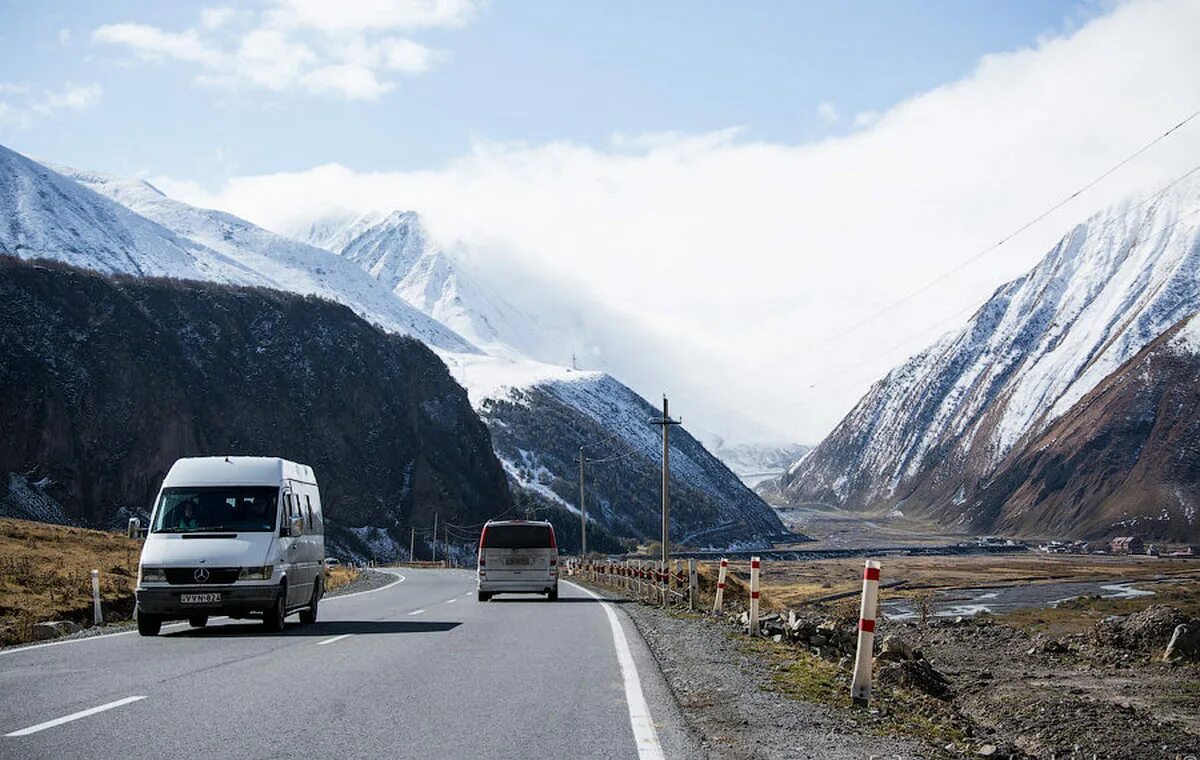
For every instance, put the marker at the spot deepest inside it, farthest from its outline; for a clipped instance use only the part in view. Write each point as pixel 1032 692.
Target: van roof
pixel 519 522
pixel 241 471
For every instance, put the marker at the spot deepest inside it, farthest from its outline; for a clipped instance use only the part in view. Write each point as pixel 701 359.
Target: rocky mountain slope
pixel 930 434
pixel 104 383
pixel 1124 459
pixel 128 227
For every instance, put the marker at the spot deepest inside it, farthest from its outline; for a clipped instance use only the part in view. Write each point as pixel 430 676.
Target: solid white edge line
pixel 335 638
pixel 17 650
pixel 644 733
pixel 74 716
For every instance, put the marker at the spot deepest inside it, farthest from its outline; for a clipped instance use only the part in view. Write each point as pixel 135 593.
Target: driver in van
pixel 187 516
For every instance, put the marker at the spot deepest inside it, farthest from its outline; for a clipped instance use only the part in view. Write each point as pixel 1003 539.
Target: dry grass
pixel 45 574
pixel 1081 614
pixel 336 577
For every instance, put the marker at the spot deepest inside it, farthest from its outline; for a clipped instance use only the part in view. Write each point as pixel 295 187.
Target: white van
pixel 236 536
pixel 517 556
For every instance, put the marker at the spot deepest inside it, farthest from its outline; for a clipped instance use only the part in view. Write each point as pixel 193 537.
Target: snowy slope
pixel 46 215
pixel 941 422
pixel 448 286
pixel 127 226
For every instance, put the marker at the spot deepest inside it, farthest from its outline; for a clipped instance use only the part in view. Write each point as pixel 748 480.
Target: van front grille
pixel 181 576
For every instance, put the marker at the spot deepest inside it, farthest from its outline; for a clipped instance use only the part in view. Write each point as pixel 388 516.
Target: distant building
pixel 1127 545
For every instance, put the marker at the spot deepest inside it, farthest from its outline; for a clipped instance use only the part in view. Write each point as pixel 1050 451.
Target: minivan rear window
pixel 517 537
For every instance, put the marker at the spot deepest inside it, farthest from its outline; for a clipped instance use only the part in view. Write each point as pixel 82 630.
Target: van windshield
pixel 517 537
pixel 242 509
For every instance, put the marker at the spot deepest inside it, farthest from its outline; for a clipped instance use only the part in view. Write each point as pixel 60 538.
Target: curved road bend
pixel 415 669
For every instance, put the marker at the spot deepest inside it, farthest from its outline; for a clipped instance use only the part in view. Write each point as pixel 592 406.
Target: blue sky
pixel 526 70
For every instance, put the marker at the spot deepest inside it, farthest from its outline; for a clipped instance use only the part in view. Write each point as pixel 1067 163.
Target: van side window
pixel 308 502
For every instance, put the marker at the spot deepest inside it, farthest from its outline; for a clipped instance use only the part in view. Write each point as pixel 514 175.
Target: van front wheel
pixel 274 615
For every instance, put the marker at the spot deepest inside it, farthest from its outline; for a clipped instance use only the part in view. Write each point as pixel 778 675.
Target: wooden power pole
pixel 666 422
pixel 582 512
pixel 433 538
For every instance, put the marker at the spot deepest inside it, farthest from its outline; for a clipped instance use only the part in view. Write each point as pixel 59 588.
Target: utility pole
pixel 433 542
pixel 582 512
pixel 446 540
pixel 666 422
pixel 412 543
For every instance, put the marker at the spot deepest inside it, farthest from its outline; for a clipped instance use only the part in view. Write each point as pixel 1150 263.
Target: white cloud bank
pixel 20 105
pixel 745 258
pixel 350 49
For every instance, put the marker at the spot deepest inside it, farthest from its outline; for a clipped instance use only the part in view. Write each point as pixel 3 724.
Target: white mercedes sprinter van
pixel 517 556
pixel 236 536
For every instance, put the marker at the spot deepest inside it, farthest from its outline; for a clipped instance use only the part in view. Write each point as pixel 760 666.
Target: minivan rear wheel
pixel 274 615
pixel 198 621
pixel 148 625
pixel 309 616
pixel 484 596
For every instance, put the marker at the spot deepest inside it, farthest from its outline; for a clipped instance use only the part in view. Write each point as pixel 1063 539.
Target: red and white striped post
pixel 755 564
pixel 719 602
pixel 860 687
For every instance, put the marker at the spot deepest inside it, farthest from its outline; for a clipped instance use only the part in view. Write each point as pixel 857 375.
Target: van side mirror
pixel 297 526
pixel 135 528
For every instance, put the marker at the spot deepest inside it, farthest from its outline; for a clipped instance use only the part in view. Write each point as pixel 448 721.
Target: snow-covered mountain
pixel 389 273
pixel 755 462
pixel 518 386
pixel 396 249
pixel 129 227
pixel 930 434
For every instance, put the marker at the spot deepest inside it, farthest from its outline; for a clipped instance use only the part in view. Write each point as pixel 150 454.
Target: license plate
pixel 199 598
pixel 517 561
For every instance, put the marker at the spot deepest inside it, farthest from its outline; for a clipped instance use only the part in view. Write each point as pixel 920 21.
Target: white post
pixel 719 603
pixel 754 568
pixel 692 584
pixel 860 687
pixel 97 615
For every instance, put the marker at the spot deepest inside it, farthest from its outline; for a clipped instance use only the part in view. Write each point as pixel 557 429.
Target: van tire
pixel 484 596
pixel 274 615
pixel 148 625
pixel 198 621
pixel 309 616
pixel 552 594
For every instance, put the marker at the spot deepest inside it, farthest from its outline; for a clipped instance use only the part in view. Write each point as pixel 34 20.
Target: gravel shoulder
pixel 730 703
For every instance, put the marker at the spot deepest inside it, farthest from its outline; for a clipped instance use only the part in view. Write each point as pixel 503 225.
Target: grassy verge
pixel 336 577
pixel 45 574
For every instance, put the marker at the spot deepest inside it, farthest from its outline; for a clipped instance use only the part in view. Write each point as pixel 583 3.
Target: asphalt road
pixel 418 668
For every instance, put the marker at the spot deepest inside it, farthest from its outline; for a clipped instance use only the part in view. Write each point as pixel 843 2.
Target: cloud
pixel 23 106
pixel 350 49
pixel 744 258
pixel 866 118
pixel 827 112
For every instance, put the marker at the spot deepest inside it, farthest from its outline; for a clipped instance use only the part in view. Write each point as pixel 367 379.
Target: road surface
pixel 417 668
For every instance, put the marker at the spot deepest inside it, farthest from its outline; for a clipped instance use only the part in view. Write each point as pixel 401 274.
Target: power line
pixel 958 268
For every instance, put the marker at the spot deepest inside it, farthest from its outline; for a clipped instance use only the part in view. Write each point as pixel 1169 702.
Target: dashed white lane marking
pixel 74 716
pixel 416 612
pixel 335 638
pixel 644 733
pixel 452 601
pixel 17 650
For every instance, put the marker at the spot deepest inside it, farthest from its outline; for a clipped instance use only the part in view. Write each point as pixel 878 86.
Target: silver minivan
pixel 236 536
pixel 518 556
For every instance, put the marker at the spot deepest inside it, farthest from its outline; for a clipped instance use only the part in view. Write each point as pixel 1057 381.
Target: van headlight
pixel 256 573
pixel 151 575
